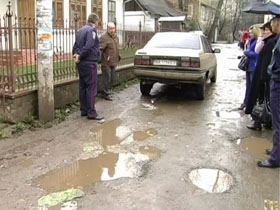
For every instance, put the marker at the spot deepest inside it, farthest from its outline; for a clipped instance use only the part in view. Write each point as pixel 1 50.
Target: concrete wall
pixel 21 105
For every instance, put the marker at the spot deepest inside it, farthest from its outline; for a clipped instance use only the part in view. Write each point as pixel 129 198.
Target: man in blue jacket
pixel 86 53
pixel 274 71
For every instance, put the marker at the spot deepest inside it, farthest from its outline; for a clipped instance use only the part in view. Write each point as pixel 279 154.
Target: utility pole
pixel 45 60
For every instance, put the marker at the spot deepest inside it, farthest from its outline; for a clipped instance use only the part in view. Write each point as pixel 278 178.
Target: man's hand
pixel 77 58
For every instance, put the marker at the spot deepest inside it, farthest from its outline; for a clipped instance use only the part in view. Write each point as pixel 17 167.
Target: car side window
pixel 206 45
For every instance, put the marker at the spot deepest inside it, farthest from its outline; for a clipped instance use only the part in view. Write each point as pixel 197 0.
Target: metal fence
pixel 18 51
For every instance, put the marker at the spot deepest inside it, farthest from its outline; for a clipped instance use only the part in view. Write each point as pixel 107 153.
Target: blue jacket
pixel 87 44
pixel 251 54
pixel 274 67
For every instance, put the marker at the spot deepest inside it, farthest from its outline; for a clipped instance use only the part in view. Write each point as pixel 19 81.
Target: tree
pixel 215 22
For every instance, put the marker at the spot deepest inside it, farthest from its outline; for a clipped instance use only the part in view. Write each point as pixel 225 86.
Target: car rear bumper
pixel 182 76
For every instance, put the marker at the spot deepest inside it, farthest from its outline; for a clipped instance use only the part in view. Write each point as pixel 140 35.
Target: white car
pixel 176 57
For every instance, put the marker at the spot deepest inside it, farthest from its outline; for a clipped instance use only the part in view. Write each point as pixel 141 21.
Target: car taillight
pixel 185 62
pixel 144 60
pixel 195 62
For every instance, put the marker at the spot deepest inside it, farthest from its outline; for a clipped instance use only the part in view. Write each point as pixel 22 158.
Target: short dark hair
pixel 93 18
pixel 267 25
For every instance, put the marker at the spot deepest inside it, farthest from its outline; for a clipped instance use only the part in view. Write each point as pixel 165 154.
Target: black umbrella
pixel 268 7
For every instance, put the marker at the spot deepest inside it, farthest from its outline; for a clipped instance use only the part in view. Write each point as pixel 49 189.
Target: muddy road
pixel 166 151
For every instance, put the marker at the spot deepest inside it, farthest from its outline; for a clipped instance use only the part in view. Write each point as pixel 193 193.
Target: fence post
pixel 9 15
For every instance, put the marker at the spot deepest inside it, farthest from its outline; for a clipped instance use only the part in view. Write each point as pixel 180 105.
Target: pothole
pixel 211 180
pixel 141 136
pixel 254 146
pixel 84 173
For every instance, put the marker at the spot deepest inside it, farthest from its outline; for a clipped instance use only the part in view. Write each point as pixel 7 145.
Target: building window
pixel 112 11
pixel 96 7
pixel 78 8
pixel 58 12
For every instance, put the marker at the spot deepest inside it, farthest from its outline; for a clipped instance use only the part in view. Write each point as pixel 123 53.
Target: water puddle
pixel 150 151
pixel 141 136
pixel 228 115
pixel 26 163
pixel 255 146
pixel 113 133
pixel 271 205
pixel 211 180
pixel 84 173
pixel 110 133
pixel 148 107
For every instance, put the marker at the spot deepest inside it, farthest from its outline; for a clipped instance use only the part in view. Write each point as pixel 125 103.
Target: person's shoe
pixel 268 151
pixel 242 106
pixel 108 98
pixel 97 117
pixel 266 164
pixel 255 126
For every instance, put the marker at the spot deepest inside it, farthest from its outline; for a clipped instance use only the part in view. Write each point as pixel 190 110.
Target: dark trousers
pixel 108 76
pixel 87 88
pixel 249 78
pixel 275 111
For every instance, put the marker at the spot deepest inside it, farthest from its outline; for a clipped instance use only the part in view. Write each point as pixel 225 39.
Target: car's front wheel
pixel 200 90
pixel 145 88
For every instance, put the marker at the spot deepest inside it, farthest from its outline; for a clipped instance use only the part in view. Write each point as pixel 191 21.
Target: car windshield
pixel 174 40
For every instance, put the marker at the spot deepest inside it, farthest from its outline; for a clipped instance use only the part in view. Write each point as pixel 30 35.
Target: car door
pixel 209 57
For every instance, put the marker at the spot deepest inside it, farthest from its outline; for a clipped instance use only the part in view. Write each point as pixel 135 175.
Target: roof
pixel 172 19
pixel 158 7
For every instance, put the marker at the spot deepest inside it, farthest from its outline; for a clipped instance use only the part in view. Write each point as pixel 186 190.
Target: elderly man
pixel 109 46
pixel 86 53
pixel 274 71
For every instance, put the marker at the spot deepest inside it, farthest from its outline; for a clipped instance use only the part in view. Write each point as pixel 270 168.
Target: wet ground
pixel 166 151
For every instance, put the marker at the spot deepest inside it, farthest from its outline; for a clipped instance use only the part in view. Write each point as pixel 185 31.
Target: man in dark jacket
pixel 109 46
pixel 86 53
pixel 274 71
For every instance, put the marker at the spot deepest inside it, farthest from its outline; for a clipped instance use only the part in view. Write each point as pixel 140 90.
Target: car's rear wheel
pixel 214 77
pixel 145 88
pixel 200 90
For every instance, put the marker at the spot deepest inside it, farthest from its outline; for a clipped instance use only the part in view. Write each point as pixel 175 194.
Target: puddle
pixel 141 136
pixel 111 133
pixel 271 205
pixel 228 115
pixel 148 107
pixel 26 163
pixel 150 151
pixel 255 146
pixel 211 180
pixel 84 173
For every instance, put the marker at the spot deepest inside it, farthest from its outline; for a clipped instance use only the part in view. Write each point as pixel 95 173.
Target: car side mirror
pixel 216 50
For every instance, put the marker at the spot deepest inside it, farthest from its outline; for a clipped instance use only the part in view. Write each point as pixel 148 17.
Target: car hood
pixel 178 52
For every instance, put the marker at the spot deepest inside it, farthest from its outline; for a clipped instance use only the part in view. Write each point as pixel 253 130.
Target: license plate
pixel 165 62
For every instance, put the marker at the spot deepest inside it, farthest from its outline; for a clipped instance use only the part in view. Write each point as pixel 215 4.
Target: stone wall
pixel 20 105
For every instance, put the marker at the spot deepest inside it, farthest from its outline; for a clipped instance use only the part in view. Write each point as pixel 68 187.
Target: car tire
pixel 145 88
pixel 214 77
pixel 200 90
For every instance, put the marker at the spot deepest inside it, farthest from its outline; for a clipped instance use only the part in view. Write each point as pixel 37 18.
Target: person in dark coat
pixel 252 56
pixel 86 53
pixel 274 71
pixel 261 81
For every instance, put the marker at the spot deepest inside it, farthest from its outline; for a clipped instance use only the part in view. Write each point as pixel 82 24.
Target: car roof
pixel 176 32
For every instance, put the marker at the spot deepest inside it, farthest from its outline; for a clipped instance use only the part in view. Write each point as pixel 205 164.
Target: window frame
pixel 112 13
pixel 58 21
pixel 79 6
